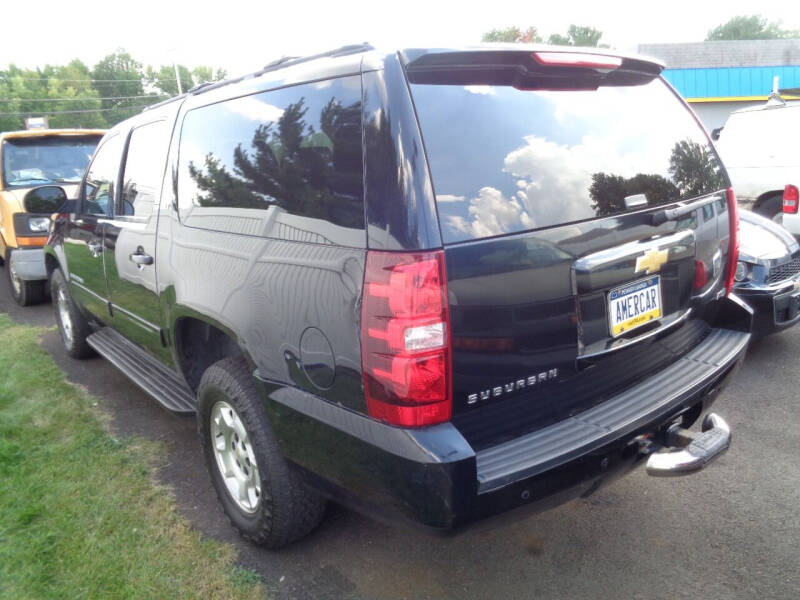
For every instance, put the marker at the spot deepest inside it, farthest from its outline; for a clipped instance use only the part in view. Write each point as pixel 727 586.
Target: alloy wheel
pixel 235 458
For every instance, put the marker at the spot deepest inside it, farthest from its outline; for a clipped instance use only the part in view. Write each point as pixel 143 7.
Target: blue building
pixel 717 78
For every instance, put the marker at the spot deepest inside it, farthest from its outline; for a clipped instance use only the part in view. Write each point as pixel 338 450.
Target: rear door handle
pixel 140 258
pixel 95 248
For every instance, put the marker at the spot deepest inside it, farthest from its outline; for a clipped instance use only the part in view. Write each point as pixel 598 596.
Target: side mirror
pixel 715 133
pixel 45 199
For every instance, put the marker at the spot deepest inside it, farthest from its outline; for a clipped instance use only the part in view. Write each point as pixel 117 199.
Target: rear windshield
pixel 506 160
pixel 30 161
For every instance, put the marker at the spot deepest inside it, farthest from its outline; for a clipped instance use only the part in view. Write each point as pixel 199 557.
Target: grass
pixel 80 513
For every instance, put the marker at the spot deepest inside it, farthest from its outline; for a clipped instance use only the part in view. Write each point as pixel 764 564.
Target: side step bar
pixel 145 371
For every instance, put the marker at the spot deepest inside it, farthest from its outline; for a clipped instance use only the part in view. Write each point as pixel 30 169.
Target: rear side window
pixel 284 164
pixel 505 160
pixel 101 179
pixel 144 168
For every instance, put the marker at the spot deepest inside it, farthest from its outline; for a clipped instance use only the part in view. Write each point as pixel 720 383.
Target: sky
pixel 241 36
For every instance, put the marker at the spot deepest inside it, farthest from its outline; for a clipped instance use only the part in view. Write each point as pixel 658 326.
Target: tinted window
pixel 506 160
pixel 40 160
pixel 144 168
pixel 98 189
pixel 285 163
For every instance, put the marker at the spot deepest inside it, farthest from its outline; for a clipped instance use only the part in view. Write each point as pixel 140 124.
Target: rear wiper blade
pixel 682 209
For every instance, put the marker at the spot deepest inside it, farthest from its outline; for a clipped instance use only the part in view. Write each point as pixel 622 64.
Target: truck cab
pixel 30 159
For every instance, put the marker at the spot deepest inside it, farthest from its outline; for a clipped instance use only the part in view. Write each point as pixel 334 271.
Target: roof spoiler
pixel 528 67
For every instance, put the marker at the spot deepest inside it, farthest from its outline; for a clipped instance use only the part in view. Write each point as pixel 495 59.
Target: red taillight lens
pixel 406 338
pixel 577 59
pixel 700 275
pixel 791 196
pixel 733 247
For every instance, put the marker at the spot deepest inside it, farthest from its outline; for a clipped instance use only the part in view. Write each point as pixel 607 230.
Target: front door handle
pixel 95 248
pixel 140 258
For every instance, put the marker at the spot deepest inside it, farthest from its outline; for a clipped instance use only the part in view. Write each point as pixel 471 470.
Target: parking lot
pixel 729 532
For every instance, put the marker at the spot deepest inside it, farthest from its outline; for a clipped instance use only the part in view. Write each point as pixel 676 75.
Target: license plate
pixel 634 305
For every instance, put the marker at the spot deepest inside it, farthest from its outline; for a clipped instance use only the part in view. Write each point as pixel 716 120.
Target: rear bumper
pixel 433 477
pixel 28 263
pixel 776 308
pixel 792 223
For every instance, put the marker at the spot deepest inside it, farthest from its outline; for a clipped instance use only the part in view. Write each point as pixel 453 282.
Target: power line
pixel 66 112
pixel 154 96
pixel 48 78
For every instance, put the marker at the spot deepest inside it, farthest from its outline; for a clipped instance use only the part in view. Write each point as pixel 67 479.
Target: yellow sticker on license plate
pixel 634 305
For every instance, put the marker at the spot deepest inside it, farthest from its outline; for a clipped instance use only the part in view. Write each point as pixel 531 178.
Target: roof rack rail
pixel 199 86
pixel 279 61
pixel 163 102
pixel 287 61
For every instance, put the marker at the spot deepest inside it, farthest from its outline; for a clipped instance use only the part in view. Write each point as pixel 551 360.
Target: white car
pixel 759 148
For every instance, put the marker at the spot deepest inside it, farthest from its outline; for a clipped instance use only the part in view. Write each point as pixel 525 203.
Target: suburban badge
pixel 512 386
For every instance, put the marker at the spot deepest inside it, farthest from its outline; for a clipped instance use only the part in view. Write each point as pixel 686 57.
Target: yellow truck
pixel 31 159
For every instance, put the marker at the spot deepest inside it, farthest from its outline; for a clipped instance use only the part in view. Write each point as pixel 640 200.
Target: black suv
pixel 429 284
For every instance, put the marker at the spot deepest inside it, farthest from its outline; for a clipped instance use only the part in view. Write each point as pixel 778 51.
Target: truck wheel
pixel 772 208
pixel 25 293
pixel 265 500
pixel 72 324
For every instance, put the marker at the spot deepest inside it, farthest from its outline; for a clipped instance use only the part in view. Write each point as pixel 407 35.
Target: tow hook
pixel 696 449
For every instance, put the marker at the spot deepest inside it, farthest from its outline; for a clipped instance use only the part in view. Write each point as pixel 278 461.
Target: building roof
pixel 738 71
pixel 735 53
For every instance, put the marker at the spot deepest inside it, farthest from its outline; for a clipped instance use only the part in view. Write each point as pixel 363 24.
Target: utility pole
pixel 177 77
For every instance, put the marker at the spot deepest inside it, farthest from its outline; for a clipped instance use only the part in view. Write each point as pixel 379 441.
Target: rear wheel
pixel 772 208
pixel 265 500
pixel 72 324
pixel 25 293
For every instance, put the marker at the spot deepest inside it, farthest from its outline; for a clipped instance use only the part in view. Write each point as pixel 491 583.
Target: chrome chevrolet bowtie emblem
pixel 651 261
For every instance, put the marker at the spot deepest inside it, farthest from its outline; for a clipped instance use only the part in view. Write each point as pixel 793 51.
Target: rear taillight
pixel 791 196
pixel 577 59
pixel 733 247
pixel 700 275
pixel 405 338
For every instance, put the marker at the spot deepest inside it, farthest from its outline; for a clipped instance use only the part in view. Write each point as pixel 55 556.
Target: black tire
pixel 286 510
pixel 75 343
pixel 24 293
pixel 771 207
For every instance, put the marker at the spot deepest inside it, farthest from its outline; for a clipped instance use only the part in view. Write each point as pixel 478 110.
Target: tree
pixel 753 27
pixel 577 35
pixel 164 78
pixel 64 94
pixel 204 73
pixel 608 192
pixel 292 165
pixel 119 76
pixel 694 169
pixel 512 34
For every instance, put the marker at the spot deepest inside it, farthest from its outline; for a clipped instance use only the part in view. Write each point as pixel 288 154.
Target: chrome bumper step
pixel 699 449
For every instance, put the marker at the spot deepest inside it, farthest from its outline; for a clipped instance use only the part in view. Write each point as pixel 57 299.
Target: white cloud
pixel 449 198
pixel 483 90
pixel 253 109
pixel 490 213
